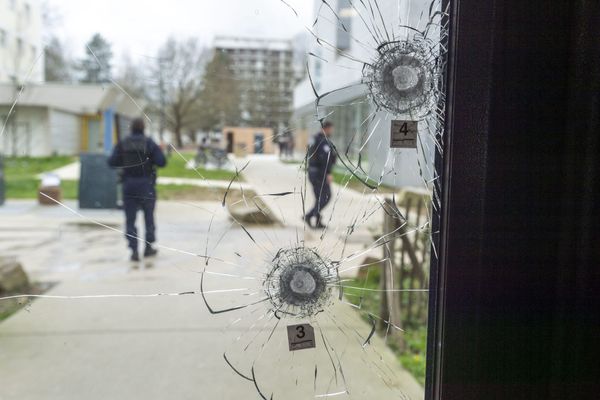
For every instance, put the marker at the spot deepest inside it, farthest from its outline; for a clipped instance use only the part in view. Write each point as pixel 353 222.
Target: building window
pixel 13 4
pixel 20 45
pixel 346 14
pixel 2 38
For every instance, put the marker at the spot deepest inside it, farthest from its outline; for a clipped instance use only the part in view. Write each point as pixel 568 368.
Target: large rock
pixel 252 215
pixel 12 276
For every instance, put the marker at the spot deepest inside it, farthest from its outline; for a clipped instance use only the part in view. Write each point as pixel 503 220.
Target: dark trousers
pixel 139 195
pixel 322 191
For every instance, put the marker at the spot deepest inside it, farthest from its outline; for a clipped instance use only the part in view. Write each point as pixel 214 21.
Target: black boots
pixel 318 225
pixel 150 251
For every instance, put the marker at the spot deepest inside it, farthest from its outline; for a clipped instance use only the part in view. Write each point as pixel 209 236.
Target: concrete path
pixel 211 184
pixel 159 347
pixel 348 212
pixel 69 172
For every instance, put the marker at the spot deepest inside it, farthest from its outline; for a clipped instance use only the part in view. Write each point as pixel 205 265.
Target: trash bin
pixel 97 183
pixel 2 187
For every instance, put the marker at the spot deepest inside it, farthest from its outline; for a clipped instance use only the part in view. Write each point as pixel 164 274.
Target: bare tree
pixel 180 65
pixel 134 78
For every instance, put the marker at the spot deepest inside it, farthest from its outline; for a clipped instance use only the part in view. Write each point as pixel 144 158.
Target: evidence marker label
pixel 404 134
pixel 301 337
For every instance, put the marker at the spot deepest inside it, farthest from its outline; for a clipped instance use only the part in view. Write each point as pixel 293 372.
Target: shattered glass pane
pixel 291 312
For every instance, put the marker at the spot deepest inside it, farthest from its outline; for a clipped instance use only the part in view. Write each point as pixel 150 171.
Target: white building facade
pixel 63 119
pixel 350 108
pixel 21 43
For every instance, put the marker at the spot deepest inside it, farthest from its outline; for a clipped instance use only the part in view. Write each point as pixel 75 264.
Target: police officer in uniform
pixel 321 160
pixel 138 156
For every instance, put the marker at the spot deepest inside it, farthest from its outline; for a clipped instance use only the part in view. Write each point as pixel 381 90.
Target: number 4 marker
pixel 404 134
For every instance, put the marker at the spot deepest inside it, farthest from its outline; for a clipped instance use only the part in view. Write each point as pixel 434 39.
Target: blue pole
pixel 109 117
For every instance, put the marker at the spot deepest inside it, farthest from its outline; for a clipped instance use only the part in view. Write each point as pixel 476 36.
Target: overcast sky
pixel 140 26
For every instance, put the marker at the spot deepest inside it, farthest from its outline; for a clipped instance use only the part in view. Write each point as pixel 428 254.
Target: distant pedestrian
pixel 138 157
pixel 290 147
pixel 283 144
pixel 321 160
pixel 201 158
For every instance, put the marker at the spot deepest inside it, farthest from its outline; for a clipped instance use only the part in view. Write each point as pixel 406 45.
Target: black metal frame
pixel 515 307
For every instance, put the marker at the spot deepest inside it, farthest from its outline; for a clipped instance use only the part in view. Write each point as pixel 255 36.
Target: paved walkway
pixel 157 347
pixel 348 211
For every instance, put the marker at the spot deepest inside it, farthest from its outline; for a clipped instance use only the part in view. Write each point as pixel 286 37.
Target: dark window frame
pixel 514 301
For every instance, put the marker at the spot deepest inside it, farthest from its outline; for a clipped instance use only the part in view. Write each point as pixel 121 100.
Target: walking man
pixel 321 159
pixel 283 145
pixel 138 157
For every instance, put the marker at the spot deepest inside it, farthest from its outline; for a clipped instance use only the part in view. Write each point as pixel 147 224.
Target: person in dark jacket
pixel 138 157
pixel 321 160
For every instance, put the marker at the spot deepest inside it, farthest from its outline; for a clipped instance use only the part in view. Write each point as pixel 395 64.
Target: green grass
pixel 20 174
pixel 21 167
pixel 21 188
pixel 21 182
pixel 195 193
pixel 343 177
pixel 292 162
pixel 4 314
pixel 176 169
pixel 372 301
pixel 70 190
pixel 10 307
pixel 189 192
pixel 413 357
pixel 27 188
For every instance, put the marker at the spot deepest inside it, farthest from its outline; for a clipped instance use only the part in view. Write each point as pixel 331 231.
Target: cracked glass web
pixel 369 63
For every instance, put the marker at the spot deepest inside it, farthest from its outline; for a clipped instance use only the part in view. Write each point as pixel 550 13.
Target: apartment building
pixel 21 46
pixel 265 71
